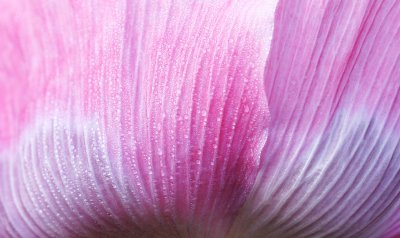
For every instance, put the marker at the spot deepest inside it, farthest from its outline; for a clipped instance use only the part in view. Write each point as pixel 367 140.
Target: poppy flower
pixel 234 119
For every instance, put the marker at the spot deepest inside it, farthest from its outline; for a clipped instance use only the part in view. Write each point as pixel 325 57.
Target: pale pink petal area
pixel 332 160
pixel 130 118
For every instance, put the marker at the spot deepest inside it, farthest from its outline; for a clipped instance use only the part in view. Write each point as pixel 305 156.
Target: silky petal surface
pixel 331 166
pixel 130 118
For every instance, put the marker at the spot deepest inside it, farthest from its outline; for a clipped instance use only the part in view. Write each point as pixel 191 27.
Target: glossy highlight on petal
pixel 130 118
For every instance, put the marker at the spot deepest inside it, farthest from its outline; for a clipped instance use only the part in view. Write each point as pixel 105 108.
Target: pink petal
pixel 136 118
pixel 332 160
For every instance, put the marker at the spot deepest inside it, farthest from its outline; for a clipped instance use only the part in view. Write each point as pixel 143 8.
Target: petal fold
pixel 331 166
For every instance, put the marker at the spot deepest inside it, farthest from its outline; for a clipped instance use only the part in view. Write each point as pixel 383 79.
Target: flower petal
pixel 332 160
pixel 149 121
